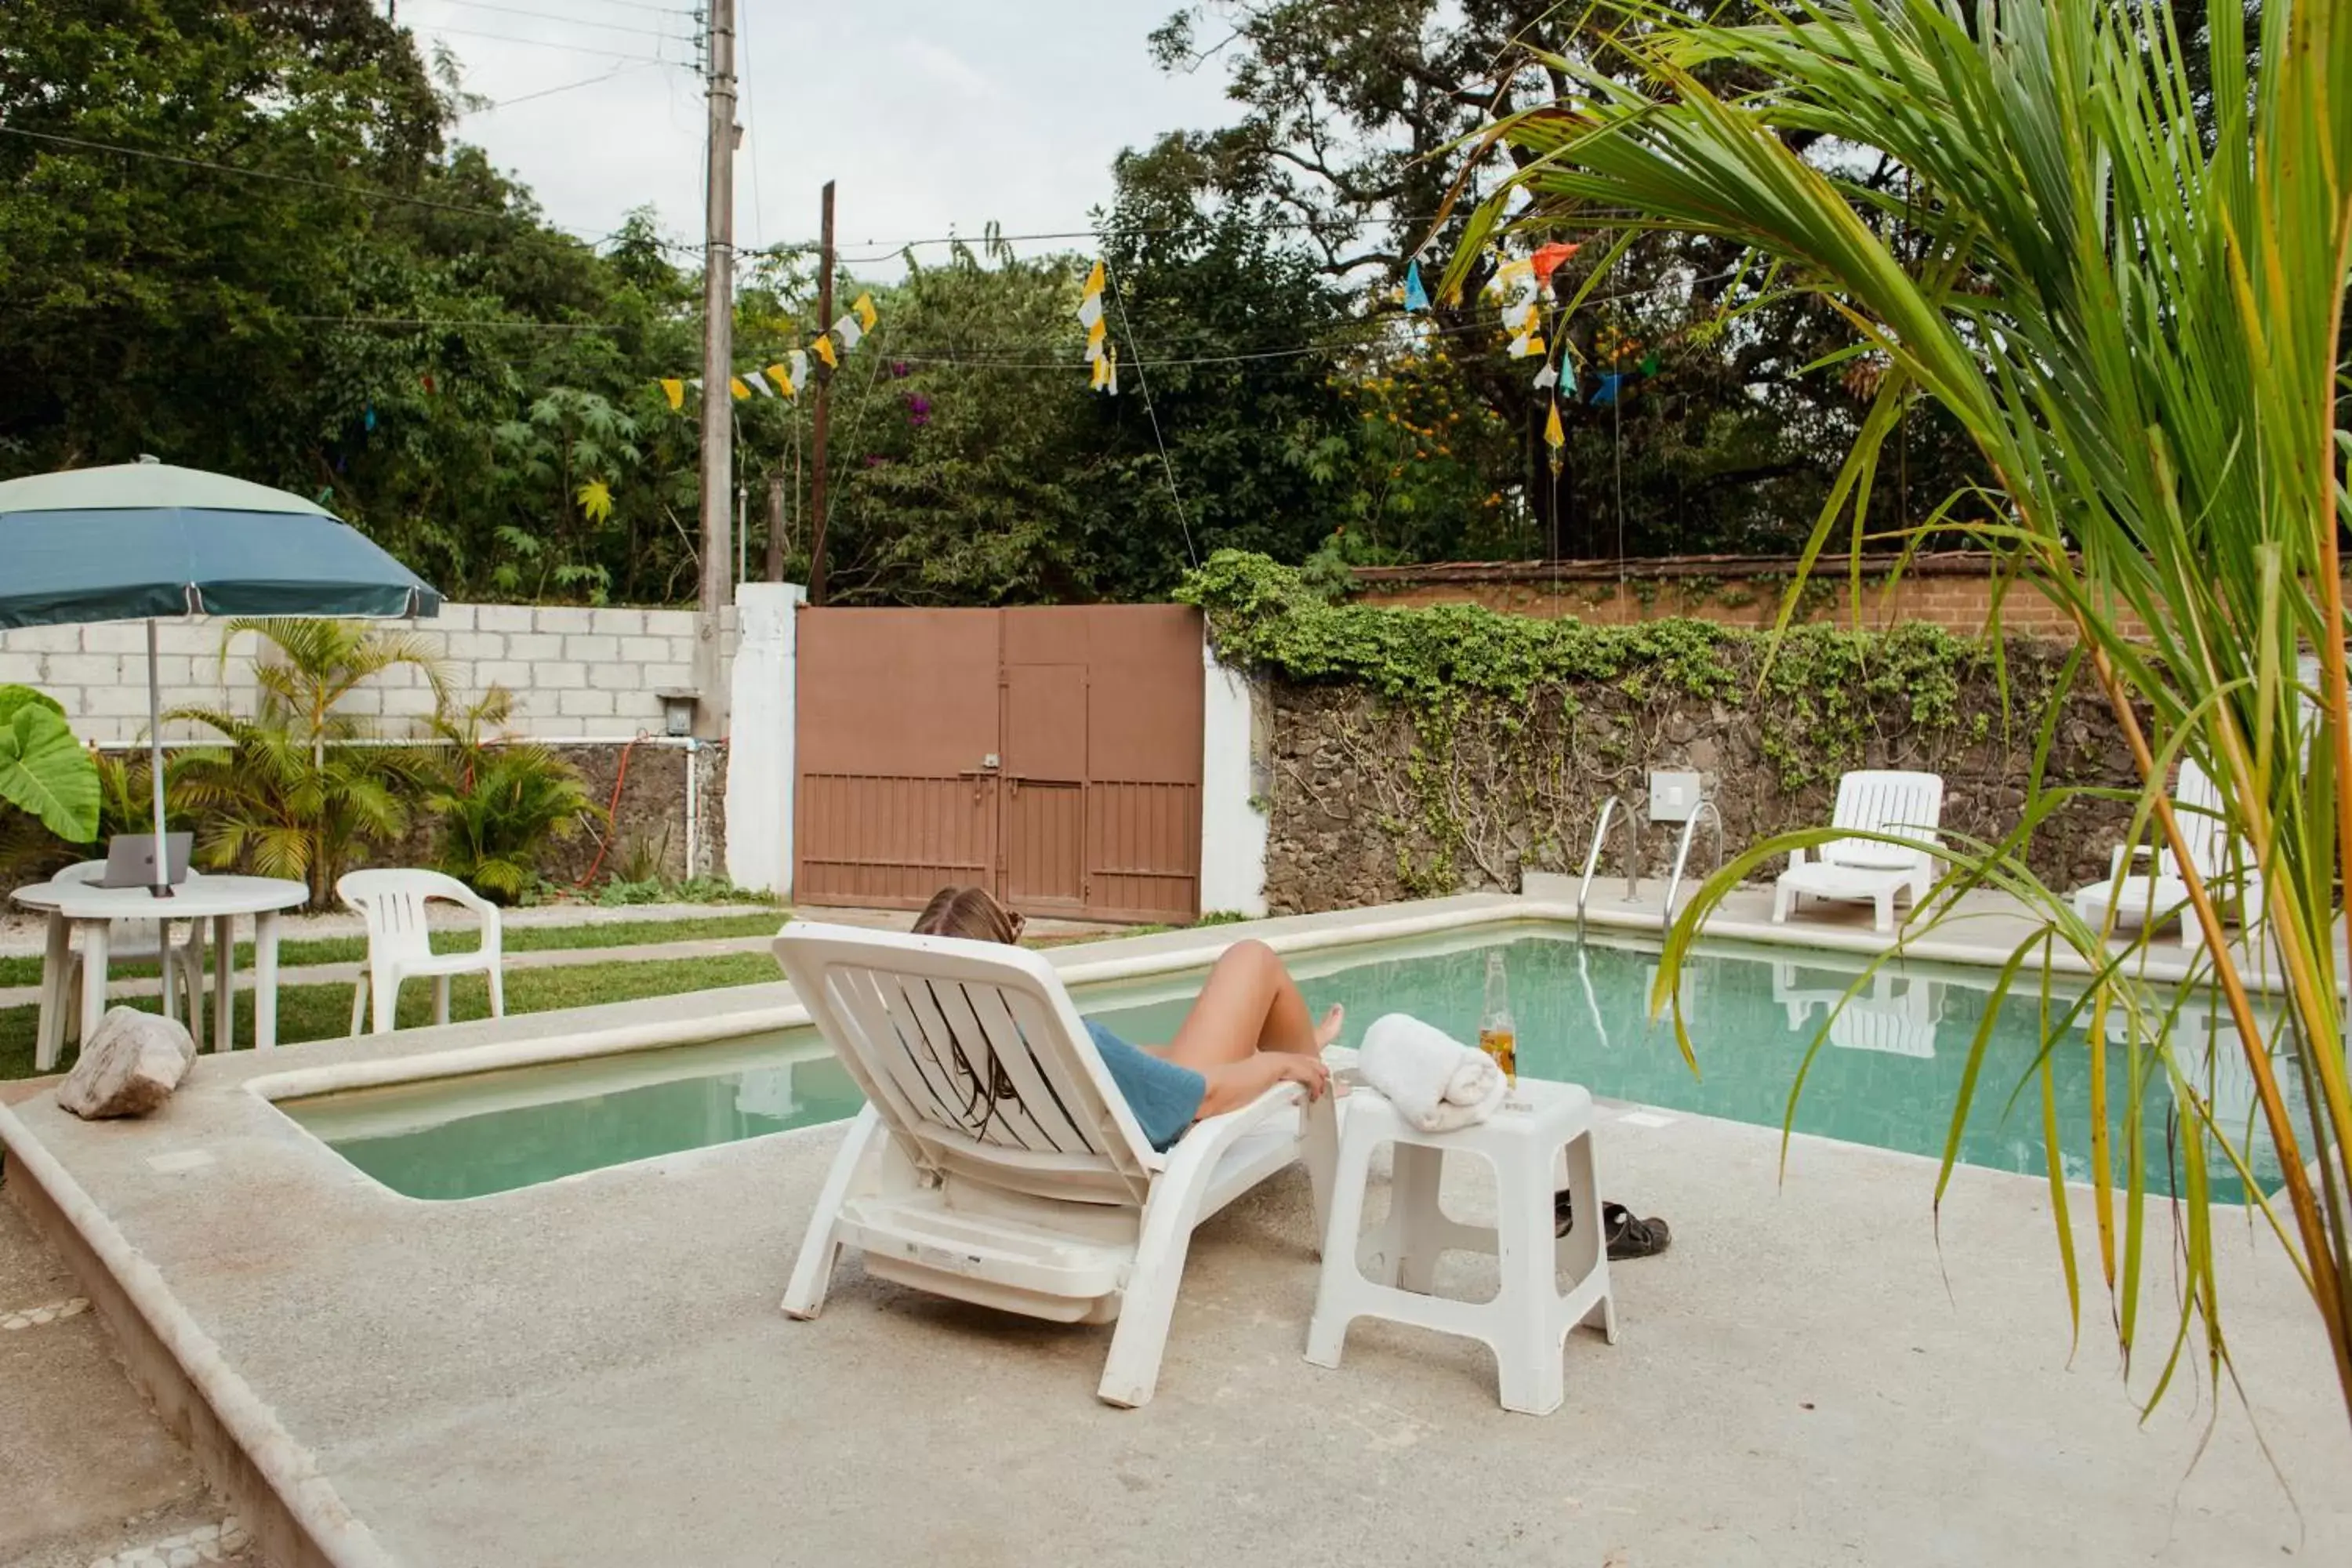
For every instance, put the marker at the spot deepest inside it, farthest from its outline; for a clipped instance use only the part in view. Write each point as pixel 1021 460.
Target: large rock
pixel 128 1066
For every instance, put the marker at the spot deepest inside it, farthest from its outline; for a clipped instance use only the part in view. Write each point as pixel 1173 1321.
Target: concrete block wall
pixel 577 673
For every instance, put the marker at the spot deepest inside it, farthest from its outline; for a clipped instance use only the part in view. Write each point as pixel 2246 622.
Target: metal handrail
pixel 1609 810
pixel 1681 854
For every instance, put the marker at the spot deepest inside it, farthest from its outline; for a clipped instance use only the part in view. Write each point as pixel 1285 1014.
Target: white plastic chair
pixel 2153 892
pixel 1870 871
pixel 399 947
pixel 996 1161
pixel 133 942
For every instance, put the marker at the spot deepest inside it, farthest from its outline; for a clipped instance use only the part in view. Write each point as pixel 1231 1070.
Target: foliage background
pixel 244 234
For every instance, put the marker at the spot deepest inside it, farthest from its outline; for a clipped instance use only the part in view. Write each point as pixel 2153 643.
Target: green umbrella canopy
pixel 135 540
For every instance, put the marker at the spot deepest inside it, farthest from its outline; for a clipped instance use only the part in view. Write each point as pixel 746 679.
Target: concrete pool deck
pixel 594 1369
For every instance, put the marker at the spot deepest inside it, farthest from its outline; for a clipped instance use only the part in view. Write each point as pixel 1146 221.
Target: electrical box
pixel 1674 797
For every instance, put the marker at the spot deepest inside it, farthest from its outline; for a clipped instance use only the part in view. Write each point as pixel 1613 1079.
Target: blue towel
pixel 1164 1097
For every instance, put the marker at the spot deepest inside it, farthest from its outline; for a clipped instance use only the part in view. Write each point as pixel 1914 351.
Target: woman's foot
pixel 1328 1032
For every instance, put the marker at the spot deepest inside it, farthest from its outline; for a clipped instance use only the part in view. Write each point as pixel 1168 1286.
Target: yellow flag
pixel 867 315
pixel 1094 335
pixel 1555 435
pixel 784 381
pixel 735 384
pixel 824 349
pixel 674 390
pixel 1094 281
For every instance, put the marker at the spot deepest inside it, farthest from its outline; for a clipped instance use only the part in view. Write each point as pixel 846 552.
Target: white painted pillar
pixel 760 734
pixel 1233 824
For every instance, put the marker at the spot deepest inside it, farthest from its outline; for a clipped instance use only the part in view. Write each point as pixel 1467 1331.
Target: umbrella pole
pixel 162 888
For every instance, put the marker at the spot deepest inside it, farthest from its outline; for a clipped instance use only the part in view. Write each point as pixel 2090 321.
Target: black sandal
pixel 1628 1237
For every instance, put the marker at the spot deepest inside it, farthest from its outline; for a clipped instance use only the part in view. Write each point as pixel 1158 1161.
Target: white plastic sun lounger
pixel 997 1162
pixel 2153 892
pixel 1870 871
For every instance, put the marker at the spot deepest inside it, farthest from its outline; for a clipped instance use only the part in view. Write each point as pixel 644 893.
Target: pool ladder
pixel 1681 854
pixel 1610 809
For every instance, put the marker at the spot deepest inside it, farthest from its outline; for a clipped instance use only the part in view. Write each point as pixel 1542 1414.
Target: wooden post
pixel 775 572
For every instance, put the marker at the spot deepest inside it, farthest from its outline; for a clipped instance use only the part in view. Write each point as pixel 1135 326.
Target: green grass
pixel 324 1012
pixel 26 970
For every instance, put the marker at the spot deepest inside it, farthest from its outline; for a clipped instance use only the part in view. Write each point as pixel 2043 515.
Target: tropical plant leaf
pixel 44 769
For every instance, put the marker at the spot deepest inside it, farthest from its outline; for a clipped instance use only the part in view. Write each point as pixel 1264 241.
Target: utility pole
pixel 718 362
pixel 817 507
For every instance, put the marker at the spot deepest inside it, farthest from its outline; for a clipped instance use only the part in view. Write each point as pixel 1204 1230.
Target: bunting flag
pixel 823 348
pixel 674 390
pixel 1555 436
pixel 797 361
pixel 1416 298
pixel 759 384
pixel 1547 260
pixel 1547 377
pixel 1090 316
pixel 735 384
pixel 863 308
pixel 849 331
pixel 1607 391
pixel 1518 316
pixel 1529 343
pixel 1106 376
pixel 781 379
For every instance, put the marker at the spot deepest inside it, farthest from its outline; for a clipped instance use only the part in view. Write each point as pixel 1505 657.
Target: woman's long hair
pixel 971 913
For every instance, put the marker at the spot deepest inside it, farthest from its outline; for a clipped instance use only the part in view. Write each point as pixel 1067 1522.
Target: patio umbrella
pixel 136 541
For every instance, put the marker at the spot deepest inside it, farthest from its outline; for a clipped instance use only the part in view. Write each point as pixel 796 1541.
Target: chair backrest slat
pixel 1884 801
pixel 974 1057
pixel 392 902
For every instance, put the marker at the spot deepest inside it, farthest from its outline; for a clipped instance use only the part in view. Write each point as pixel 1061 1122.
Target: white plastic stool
pixel 1527 1322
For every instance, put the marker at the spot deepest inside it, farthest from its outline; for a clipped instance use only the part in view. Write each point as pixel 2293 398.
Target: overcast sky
pixel 933 115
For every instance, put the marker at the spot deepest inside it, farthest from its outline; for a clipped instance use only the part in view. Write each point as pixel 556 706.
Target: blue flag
pixel 1607 391
pixel 1416 298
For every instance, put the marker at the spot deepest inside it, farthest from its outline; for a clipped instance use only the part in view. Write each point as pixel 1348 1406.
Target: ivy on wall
pixel 1825 688
pixel 1477 740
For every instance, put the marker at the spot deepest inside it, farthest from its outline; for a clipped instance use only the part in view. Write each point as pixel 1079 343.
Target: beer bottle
pixel 1498 1036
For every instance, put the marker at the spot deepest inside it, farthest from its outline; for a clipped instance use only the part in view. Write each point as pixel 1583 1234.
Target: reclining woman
pixel 1248 1029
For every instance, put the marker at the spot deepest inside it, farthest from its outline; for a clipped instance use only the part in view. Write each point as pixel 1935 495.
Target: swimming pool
pixel 1887 1075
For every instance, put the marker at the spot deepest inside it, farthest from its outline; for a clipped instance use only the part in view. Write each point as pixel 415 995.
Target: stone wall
pixel 1369 803
pixel 577 673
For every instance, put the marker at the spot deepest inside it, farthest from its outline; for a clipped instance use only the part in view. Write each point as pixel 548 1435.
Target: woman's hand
pixel 1234 1085
pixel 1291 1067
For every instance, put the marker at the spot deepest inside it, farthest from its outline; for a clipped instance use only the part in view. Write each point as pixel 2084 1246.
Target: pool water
pixel 1887 1075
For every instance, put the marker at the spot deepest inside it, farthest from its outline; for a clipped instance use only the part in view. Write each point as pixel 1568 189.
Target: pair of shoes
pixel 1628 1237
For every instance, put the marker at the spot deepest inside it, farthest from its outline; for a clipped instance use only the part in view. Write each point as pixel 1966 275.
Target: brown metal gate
pixel 1051 755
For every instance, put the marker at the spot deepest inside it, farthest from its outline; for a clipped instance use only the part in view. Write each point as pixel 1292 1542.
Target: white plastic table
pixel 92 909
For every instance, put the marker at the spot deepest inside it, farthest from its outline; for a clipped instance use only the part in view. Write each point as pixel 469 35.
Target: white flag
pixel 848 331
pixel 757 384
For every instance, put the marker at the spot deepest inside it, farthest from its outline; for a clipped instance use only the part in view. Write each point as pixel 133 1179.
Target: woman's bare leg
pixel 1250 1004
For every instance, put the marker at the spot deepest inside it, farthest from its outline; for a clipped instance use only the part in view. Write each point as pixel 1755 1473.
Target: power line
pixel 567 21
pixel 369 192
pixel 551 44
pixel 418 322
pixel 619 71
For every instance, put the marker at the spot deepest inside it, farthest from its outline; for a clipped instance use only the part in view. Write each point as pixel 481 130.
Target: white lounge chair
pixel 1870 871
pixel 996 1161
pixel 401 948
pixel 2153 892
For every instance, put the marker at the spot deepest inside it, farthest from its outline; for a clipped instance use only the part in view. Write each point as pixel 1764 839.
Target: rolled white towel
pixel 1435 1082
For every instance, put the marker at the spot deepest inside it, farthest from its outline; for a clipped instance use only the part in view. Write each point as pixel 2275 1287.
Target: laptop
pixel 131 859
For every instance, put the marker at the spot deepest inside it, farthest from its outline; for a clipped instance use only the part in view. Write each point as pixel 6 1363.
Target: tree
pixel 1358 127
pixel 2126 283
pixel 291 794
